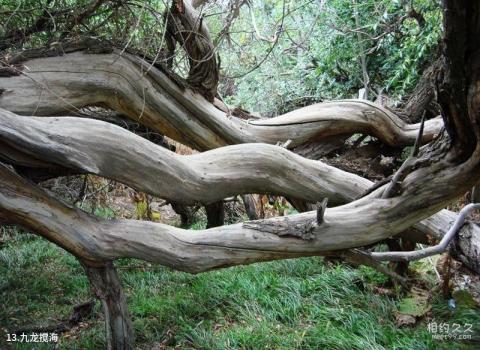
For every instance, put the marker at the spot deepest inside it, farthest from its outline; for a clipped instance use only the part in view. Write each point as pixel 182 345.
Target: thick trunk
pixel 107 287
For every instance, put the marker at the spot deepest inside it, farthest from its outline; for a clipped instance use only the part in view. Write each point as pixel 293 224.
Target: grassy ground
pixel 291 304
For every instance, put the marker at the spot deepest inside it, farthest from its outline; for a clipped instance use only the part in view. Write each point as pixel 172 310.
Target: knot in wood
pixel 284 228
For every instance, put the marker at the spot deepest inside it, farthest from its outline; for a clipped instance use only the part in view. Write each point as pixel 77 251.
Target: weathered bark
pixel 130 125
pixel 359 223
pixel 107 287
pixel 185 26
pixel 91 146
pixel 458 87
pixel 249 204
pixel 60 85
pixel 430 182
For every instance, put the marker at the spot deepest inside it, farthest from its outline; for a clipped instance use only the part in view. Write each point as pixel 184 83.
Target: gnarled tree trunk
pixel 107 287
pixel 59 85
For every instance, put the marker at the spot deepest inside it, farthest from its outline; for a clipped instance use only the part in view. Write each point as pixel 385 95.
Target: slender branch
pixel 402 172
pixel 423 253
pixel 418 140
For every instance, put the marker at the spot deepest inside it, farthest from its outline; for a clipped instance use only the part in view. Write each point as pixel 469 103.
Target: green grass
pixel 289 304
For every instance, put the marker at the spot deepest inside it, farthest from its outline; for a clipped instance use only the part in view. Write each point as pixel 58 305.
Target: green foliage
pixel 402 61
pixel 104 213
pixel 317 55
pixel 293 304
pixel 136 24
pixel 198 225
pixel 305 51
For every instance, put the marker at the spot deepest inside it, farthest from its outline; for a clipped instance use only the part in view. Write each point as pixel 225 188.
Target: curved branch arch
pixel 63 84
pixel 48 86
pixel 359 223
pixel 86 145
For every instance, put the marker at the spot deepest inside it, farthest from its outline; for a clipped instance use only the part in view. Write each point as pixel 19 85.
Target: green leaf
pixel 416 304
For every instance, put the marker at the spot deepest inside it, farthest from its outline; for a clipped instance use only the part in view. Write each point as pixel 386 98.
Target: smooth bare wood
pixel 92 146
pixel 60 85
pixel 359 223
pixel 104 149
pixel 128 84
pixel 434 179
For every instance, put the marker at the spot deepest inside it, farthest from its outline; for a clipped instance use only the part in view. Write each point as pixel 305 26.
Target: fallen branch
pixel 93 146
pixel 359 223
